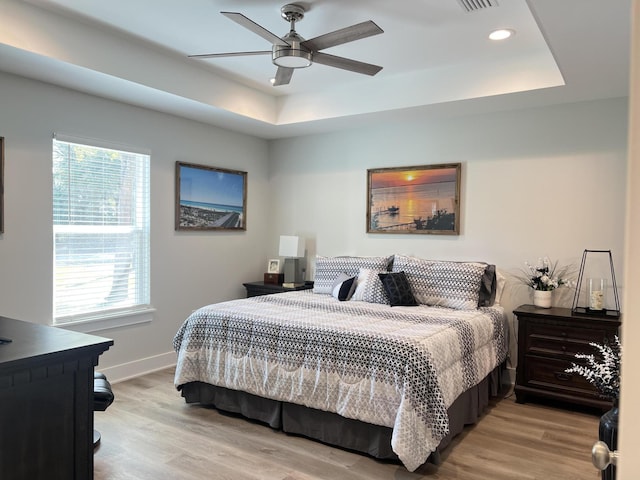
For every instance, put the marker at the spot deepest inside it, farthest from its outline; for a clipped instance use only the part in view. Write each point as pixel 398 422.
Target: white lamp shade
pixel 291 246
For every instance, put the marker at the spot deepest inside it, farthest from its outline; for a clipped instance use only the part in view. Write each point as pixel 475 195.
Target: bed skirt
pixel 333 429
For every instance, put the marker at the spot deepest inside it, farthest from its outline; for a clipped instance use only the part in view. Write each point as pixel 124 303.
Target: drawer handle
pixel 565 377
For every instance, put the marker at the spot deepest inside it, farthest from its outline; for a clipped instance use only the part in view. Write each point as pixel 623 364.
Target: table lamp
pixel 292 249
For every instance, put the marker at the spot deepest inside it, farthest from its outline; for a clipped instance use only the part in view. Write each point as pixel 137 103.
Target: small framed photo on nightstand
pixel 273 266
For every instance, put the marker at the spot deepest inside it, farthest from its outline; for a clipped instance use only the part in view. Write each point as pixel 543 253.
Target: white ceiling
pixel 436 57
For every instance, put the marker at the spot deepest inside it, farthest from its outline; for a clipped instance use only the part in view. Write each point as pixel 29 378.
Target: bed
pixel 390 356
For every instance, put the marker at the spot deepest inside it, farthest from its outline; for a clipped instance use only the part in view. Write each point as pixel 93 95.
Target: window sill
pixel 106 321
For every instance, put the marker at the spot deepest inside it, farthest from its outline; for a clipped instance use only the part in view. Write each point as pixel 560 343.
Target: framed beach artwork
pixel 209 198
pixel 418 200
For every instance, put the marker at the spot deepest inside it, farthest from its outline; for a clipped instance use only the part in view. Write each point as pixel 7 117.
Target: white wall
pixel 188 269
pixel 545 181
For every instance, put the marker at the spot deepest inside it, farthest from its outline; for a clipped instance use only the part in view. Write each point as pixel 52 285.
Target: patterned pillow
pixel 328 269
pixel 447 284
pixel 398 290
pixel 343 287
pixel 369 287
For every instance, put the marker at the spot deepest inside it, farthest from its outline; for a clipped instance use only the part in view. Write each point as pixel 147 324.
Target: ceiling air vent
pixel 475 5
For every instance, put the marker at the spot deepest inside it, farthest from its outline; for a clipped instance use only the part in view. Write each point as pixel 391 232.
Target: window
pixel 100 231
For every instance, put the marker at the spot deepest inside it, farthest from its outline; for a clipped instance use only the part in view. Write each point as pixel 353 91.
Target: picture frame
pixel 1 185
pixel 210 198
pixel 273 265
pixel 422 199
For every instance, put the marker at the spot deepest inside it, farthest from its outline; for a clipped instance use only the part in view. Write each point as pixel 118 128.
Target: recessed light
pixel 501 34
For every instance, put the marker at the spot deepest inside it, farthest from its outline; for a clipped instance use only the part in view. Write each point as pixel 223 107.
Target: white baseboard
pixel 125 371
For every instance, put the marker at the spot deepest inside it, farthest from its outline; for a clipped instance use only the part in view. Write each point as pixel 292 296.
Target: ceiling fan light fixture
pixel 291 57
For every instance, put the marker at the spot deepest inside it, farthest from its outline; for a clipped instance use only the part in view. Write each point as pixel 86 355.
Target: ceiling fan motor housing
pixel 294 55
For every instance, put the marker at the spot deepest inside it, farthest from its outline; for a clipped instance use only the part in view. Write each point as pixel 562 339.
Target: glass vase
pixel 596 293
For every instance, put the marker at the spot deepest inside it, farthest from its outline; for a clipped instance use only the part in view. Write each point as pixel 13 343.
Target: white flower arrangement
pixel 603 373
pixel 545 275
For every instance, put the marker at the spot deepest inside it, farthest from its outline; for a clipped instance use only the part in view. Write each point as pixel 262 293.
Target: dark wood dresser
pixel 46 401
pixel 548 339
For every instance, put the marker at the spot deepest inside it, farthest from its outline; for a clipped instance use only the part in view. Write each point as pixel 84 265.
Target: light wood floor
pixel 150 433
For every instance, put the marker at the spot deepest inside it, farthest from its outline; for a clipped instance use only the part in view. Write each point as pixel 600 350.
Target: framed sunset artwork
pixel 414 200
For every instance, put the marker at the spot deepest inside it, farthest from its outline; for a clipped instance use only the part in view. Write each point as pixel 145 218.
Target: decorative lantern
pixel 591 299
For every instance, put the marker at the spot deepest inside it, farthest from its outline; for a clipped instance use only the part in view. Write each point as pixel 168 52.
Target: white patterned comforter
pixel 399 367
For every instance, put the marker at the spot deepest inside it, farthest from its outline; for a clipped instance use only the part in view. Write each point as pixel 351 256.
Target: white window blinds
pixel 100 231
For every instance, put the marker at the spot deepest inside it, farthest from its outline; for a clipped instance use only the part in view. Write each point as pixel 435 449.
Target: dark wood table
pixel 548 340
pixel 255 289
pixel 46 401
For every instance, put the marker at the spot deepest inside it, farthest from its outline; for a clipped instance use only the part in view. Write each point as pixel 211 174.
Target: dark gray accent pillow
pixel 398 290
pixel 488 287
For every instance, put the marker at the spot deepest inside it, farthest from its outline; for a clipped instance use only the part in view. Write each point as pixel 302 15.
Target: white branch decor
pixel 602 372
pixel 546 275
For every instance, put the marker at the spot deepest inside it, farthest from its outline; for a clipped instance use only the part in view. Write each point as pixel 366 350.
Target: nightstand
pixel 548 339
pixel 255 289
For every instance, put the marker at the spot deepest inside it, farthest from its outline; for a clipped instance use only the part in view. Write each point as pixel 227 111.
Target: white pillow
pixel 369 287
pixel 501 281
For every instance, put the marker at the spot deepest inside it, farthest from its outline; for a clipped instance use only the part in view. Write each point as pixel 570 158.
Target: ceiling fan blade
pixel 231 54
pixel 283 76
pixel 346 63
pixel 344 35
pixel 255 28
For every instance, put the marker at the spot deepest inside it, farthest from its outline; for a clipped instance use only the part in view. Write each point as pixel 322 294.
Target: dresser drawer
pixel 550 374
pixel 561 332
pixel 561 339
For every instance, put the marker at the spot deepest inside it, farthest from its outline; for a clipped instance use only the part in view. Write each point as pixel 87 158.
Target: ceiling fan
pixel 292 51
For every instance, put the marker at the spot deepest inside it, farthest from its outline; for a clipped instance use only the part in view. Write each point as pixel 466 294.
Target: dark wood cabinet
pixel 255 289
pixel 46 401
pixel 548 339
